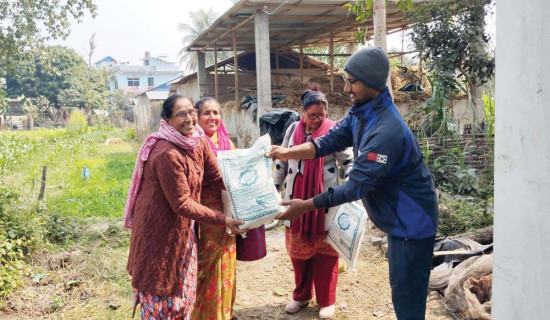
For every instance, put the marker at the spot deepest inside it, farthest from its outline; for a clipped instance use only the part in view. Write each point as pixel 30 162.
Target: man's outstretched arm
pixel 301 151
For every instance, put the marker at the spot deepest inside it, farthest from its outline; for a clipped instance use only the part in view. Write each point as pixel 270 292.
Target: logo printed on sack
pixel 380 158
pixel 343 221
pixel 248 177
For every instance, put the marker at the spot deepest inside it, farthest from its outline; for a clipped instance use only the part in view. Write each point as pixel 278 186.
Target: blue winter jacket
pixel 389 174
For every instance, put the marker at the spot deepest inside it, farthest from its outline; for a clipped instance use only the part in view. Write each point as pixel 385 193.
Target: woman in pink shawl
pixel 218 251
pixel 314 261
pixel 161 209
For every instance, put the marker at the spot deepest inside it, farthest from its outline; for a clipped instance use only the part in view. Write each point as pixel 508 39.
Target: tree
pixel 46 75
pixel 26 25
pixel 451 35
pixel 452 39
pixel 120 100
pixel 200 21
pixel 86 91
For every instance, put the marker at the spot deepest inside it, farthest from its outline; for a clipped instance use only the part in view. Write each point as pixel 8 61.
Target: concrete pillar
pixel 521 284
pixel 201 74
pixel 263 63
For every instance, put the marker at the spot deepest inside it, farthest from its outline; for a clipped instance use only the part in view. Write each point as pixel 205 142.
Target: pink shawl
pixel 309 184
pixel 223 140
pixel 165 132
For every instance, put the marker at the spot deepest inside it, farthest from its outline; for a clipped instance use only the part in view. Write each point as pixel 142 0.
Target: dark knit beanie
pixel 371 66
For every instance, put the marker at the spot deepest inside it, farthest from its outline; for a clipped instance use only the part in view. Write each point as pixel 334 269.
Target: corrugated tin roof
pixel 291 22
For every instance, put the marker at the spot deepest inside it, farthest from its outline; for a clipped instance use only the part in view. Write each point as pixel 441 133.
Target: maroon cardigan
pixel 169 198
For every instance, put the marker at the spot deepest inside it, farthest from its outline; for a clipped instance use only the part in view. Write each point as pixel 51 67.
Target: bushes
pixel 77 123
pixel 462 214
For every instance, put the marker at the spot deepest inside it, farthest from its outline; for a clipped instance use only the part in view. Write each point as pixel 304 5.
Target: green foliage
pixel 18 147
pixel 25 223
pixel 103 194
pixel 363 10
pixel 451 37
pixel 88 89
pixel 47 74
pixel 489 115
pixel 3 95
pixel 12 267
pixel 453 175
pixel 77 124
pixel 462 214
pixel 131 134
pixel 120 100
pixel 435 117
pixel 26 25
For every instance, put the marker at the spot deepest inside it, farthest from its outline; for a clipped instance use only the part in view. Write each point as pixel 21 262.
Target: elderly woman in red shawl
pixel 161 209
pixel 218 252
pixel 314 261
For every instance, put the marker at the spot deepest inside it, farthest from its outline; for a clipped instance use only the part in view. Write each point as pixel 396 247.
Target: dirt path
pixel 265 286
pixel 89 281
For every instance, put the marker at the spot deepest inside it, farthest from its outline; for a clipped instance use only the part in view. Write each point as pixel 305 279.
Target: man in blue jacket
pixel 389 175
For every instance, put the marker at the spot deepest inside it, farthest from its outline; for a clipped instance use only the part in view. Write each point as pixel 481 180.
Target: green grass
pixel 70 202
pixel 103 194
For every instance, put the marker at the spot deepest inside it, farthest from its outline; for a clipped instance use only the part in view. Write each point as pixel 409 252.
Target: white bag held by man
pixel 250 194
pixel 346 229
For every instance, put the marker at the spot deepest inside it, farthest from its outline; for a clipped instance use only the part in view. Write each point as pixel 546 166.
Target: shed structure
pixel 285 67
pixel 268 27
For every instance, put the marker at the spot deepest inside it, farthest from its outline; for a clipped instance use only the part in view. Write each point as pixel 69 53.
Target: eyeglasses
pixel 348 82
pixel 183 114
pixel 315 116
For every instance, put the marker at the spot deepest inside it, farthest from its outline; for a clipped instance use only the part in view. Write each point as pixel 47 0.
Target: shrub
pixel 77 123
pixel 462 214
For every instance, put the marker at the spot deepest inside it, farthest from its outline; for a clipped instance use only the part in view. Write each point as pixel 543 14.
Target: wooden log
pixel 43 183
pixel 481 236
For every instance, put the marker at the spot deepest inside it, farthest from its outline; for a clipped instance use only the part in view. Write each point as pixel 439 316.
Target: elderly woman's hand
pixel 233 225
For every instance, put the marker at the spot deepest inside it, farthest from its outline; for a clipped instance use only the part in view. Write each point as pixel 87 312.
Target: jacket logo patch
pixel 380 158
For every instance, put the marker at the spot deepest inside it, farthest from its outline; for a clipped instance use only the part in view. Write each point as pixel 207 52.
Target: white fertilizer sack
pixel 346 230
pixel 250 194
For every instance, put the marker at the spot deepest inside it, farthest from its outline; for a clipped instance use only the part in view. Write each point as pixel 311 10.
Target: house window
pixel 133 82
pixel 151 82
pixel 116 84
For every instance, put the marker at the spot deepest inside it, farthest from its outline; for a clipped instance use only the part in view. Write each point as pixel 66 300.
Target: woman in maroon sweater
pixel 162 206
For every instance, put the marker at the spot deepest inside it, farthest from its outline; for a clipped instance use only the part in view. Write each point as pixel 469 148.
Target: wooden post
pixel 302 61
pixel 216 92
pixel 331 53
pixel 201 74
pixel 402 46
pixel 236 65
pixel 277 78
pixel 43 183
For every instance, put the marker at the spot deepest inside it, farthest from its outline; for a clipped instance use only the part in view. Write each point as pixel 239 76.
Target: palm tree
pixel 200 21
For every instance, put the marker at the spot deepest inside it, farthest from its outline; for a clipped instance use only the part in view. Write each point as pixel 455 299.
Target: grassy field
pixel 61 257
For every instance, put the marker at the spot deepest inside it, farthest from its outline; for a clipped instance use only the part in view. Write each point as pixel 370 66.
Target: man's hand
pixel 296 208
pixel 233 225
pixel 278 153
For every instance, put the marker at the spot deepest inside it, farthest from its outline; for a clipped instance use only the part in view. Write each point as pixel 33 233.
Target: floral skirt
pixel 179 305
pixel 216 289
